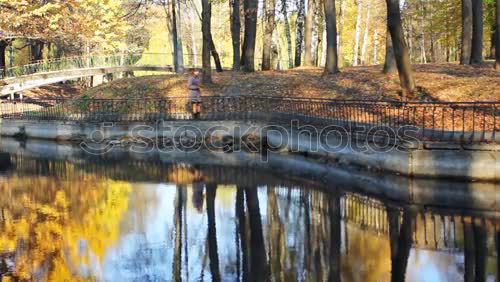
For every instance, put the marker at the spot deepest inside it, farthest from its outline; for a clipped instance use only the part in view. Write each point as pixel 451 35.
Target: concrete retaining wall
pixel 481 163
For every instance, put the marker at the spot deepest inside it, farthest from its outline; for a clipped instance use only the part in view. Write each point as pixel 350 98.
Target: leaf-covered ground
pixel 436 82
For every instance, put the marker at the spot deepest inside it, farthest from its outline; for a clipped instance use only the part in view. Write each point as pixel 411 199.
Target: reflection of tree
pixel 400 240
pixel 474 250
pixel 335 218
pixel 259 269
pixel 241 236
pixel 180 204
pixel 212 232
pixel 58 227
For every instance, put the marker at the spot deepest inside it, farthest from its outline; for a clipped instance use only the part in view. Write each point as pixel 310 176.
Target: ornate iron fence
pixel 463 122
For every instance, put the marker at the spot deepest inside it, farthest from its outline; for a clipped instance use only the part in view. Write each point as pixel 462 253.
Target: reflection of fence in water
pixel 432 230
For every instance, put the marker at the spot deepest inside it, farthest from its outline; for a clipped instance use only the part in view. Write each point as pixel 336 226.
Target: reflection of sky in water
pixel 432 266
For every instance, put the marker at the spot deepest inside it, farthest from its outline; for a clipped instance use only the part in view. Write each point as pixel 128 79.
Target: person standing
pixel 194 84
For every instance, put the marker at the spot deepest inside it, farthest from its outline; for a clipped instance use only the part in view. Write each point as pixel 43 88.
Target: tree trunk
pixel 340 31
pixel 375 46
pixel 177 45
pixel 319 33
pixel 477 32
pixel 215 55
pixel 400 49
pixel 365 38
pixel 37 50
pixel 288 33
pixel 3 64
pixel 466 38
pixel 269 11
pixel 423 19
pixel 331 65
pixel 390 60
pixel 357 33
pixel 400 241
pixel 206 15
pixel 235 32
pixel 308 57
pixel 300 32
pixel 497 45
pixel 248 57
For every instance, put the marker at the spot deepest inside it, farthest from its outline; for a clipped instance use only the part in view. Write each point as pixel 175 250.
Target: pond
pixel 122 219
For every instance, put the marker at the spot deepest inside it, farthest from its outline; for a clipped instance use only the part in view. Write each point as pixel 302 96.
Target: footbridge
pixel 51 71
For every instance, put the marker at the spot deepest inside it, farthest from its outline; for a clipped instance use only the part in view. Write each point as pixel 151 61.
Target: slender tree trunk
pixel 288 33
pixel 3 64
pixel 340 31
pixel 331 65
pixel 215 55
pixel 319 33
pixel 177 45
pixel 37 50
pixel 466 37
pixel 248 57
pixel 390 59
pixel 300 32
pixel 194 50
pixel 423 20
pixel 497 45
pixel 400 49
pixel 375 46
pixel 206 15
pixel 357 34
pixel 309 26
pixel 235 32
pixel 493 37
pixel 477 32
pixel 365 39
pixel 269 12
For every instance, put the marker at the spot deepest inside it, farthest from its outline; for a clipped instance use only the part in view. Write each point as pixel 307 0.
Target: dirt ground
pixel 436 82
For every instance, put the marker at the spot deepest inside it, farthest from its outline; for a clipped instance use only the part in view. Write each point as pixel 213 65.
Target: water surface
pixel 129 220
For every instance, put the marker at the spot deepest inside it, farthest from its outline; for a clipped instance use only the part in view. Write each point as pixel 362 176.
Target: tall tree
pixel 235 32
pixel 365 39
pixel 375 46
pixel 357 34
pixel 400 49
pixel 390 60
pixel 466 32
pixel 248 53
pixel 3 47
pixel 331 65
pixel 308 35
pixel 288 33
pixel 300 31
pixel 269 12
pixel 340 30
pixel 497 47
pixel 477 32
pixel 176 41
pixel 206 15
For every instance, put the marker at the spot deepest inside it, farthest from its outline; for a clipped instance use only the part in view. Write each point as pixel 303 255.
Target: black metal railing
pixel 461 122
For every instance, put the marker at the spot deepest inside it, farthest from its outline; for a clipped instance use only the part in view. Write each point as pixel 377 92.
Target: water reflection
pixel 61 220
